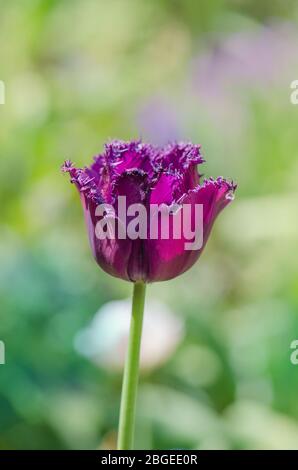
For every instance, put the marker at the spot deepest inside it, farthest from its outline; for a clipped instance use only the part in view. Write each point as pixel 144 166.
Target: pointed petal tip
pixel 66 166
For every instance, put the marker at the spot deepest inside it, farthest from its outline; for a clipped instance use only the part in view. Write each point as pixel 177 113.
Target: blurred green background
pixel 217 72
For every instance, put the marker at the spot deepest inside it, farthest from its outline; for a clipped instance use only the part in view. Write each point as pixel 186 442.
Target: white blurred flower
pixel 104 341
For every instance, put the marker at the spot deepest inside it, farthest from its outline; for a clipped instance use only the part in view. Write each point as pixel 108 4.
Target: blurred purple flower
pixel 255 58
pixel 147 175
pixel 159 120
pixel 220 81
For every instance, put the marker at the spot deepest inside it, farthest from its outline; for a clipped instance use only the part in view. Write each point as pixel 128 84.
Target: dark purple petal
pixel 112 255
pixel 134 184
pixel 123 156
pixel 167 188
pixel 121 258
pixel 183 158
pixel 84 181
pixel 179 156
pixel 168 258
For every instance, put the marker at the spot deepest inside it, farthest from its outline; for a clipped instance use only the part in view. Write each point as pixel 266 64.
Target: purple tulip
pixel 147 175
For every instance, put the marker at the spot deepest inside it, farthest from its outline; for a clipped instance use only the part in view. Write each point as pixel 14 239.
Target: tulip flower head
pixel 148 214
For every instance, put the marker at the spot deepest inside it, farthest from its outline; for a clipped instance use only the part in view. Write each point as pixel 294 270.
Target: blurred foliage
pixel 77 73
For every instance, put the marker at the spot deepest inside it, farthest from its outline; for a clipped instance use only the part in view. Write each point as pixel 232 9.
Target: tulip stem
pixel 131 370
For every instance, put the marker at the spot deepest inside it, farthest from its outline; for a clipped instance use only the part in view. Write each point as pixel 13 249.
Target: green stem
pixel 131 370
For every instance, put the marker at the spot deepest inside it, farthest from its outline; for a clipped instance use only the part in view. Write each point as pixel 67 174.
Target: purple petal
pixel 112 255
pixel 167 188
pixel 123 156
pixel 168 258
pixel 84 181
pixel 182 158
pixel 133 184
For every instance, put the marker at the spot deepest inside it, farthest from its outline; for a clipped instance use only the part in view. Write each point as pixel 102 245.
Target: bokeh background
pixel 216 370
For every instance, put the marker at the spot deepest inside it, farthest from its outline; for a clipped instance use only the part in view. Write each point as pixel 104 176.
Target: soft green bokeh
pixel 77 73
